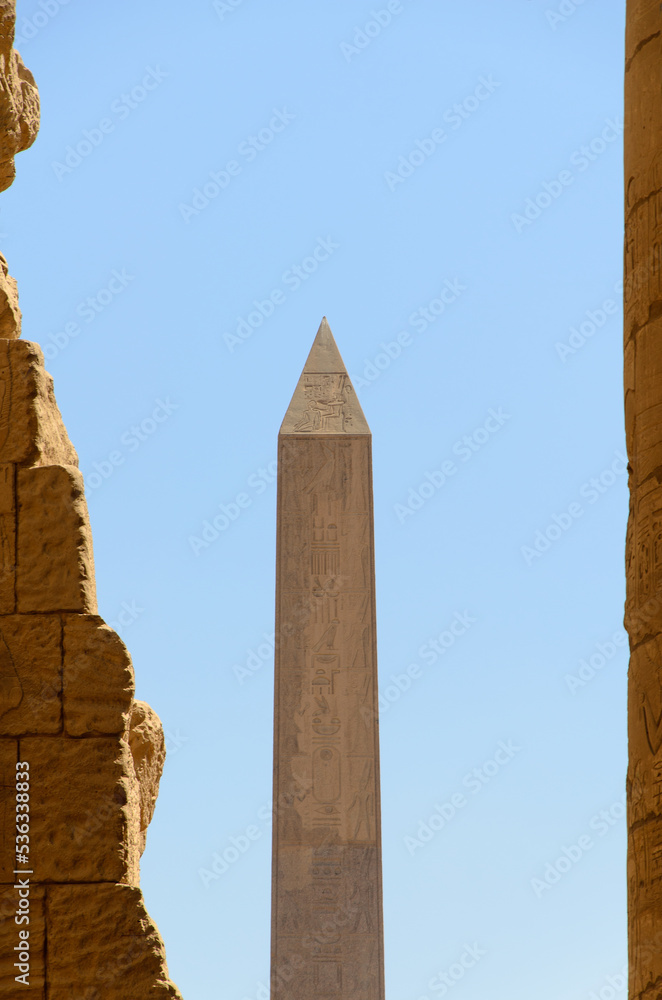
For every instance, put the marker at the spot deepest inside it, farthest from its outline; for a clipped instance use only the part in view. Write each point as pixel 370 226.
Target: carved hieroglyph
pixel 643 413
pixel 327 940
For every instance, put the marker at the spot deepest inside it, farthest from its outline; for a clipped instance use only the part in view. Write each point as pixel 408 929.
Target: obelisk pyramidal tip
pixel 324 357
pixel 324 401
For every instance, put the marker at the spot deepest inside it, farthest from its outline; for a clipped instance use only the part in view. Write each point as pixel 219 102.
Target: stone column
pixel 643 409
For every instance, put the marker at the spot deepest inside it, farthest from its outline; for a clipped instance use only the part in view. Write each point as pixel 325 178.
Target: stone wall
pixel 80 759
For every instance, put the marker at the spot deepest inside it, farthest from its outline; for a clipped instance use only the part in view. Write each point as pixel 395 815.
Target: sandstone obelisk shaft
pixel 327 938
pixel 643 413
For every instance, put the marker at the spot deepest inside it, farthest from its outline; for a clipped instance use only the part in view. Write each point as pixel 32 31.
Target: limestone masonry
pixel 80 759
pixel 643 413
pixel 327 937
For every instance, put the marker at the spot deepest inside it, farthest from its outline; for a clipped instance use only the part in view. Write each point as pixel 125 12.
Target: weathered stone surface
pixel 85 813
pixel 8 759
pixel 645 814
pixel 30 675
pixel 9 940
pixel 643 414
pixel 327 937
pixel 55 568
pixel 147 744
pixel 19 124
pixel 19 98
pixel 643 608
pixel 124 957
pixel 7 539
pixel 98 679
pixel 10 314
pixel 31 427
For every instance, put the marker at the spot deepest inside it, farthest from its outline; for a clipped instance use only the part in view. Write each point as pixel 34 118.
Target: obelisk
pixel 643 422
pixel 327 936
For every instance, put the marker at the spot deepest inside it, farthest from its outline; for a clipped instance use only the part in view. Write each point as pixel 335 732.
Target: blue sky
pixel 443 181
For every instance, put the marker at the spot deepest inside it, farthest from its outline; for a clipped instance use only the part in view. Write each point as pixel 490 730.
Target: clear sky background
pixel 525 98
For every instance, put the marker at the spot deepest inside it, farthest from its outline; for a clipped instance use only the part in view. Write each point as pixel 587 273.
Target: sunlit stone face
pixel 19 98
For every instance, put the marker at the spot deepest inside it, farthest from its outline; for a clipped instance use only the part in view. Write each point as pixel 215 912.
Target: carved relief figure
pixel 325 396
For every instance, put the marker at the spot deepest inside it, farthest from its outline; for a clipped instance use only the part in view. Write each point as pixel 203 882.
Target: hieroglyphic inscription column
pixel 643 414
pixel 327 939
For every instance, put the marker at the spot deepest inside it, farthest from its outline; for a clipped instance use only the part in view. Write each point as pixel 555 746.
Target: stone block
pixel 103 945
pixel 85 813
pixel 147 744
pixel 8 758
pixel 98 678
pixel 31 427
pixel 55 570
pixel 7 539
pixel 645 715
pixel 10 313
pixel 643 608
pixel 30 675
pixel 10 940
